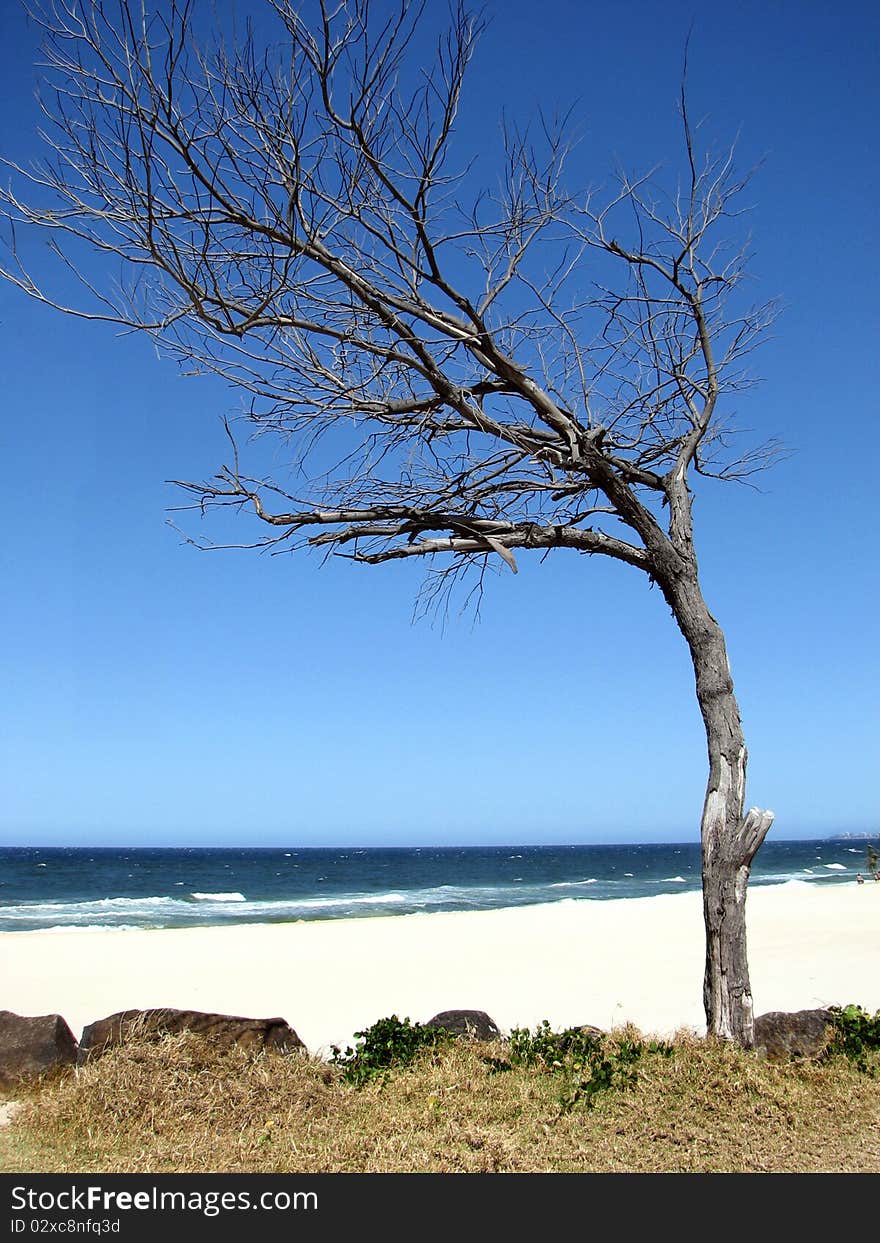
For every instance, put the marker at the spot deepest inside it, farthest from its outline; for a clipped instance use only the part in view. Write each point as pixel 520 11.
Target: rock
pixel 801 1033
pixel 31 1046
pixel 587 1029
pixel 225 1030
pixel 473 1024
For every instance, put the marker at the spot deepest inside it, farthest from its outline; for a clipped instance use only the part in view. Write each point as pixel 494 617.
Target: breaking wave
pixel 218 897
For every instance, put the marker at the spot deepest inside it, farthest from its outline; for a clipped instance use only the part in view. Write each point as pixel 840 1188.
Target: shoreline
pixel 605 963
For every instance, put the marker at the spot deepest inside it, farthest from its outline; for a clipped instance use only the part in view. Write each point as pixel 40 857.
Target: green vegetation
pixel 856 1036
pixel 406 1101
pixel 588 1061
pixel 389 1044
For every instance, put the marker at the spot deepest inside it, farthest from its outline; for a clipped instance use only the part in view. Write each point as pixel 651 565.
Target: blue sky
pixel 157 695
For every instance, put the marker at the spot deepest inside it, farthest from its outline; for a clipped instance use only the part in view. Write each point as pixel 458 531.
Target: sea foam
pixel 218 897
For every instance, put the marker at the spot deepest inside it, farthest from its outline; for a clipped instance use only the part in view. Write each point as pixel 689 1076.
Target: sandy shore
pixel 604 963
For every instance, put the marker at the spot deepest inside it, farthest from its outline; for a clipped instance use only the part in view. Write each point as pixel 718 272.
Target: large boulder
pixel 224 1030
pixel 31 1046
pixel 472 1024
pixel 800 1033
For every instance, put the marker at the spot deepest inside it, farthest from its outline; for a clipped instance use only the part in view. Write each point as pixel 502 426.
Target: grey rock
pixel 32 1046
pixel 472 1024
pixel 225 1030
pixel 799 1033
pixel 587 1029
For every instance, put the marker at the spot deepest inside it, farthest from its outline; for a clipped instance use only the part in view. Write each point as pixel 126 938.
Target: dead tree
pixel 457 373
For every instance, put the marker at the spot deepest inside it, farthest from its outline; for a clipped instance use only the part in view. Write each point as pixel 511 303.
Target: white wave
pixel 85 928
pixel 100 913
pixel 834 867
pixel 90 914
pixel 572 884
pixel 678 880
pixel 786 878
pixel 123 903
pixel 99 904
pixel 787 884
pixel 371 899
pixel 437 895
pixel 627 873
pixel 218 897
pixel 293 906
pixel 358 899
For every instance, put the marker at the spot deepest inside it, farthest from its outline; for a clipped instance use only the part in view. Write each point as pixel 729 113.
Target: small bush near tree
pixel 856 1035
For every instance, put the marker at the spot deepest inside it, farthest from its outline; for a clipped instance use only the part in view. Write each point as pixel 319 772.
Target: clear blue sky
pixel 153 694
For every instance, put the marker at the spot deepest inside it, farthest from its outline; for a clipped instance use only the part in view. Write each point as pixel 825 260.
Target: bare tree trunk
pixel 730 840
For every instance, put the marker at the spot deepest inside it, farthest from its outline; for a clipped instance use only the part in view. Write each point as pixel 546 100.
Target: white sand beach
pixel 596 962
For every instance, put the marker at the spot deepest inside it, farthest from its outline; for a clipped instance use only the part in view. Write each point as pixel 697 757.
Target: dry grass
pixel 179 1106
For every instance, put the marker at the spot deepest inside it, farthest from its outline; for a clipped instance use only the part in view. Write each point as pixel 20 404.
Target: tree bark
pixel 729 839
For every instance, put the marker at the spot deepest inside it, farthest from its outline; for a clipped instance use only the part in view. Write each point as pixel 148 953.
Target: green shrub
pixel 390 1043
pixel 588 1062
pixel 856 1035
pixel 552 1050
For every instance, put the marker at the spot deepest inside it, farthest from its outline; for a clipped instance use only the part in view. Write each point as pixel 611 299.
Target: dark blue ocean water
pixel 45 888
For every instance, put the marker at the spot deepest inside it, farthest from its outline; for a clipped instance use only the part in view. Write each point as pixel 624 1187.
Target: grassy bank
pixel 692 1106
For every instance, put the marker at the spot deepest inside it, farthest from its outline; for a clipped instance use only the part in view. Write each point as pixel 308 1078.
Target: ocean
pixel 50 888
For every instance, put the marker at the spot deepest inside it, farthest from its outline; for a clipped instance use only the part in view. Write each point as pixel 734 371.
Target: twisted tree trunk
pixel 730 840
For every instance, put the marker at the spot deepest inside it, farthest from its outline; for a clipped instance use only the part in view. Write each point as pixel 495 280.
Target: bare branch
pixel 290 219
